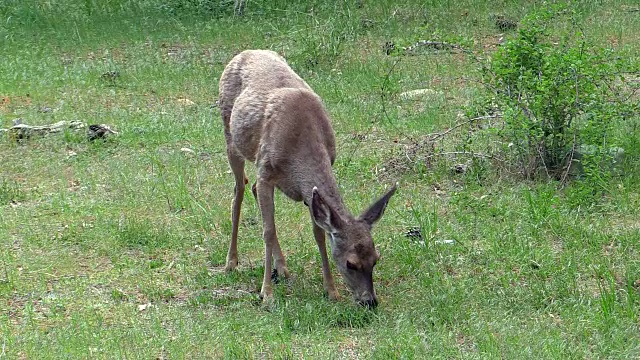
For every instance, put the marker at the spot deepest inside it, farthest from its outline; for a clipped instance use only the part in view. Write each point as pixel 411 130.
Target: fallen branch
pixel 24 131
pixel 436 136
pixel 436 45
pixel 21 131
pixel 457 153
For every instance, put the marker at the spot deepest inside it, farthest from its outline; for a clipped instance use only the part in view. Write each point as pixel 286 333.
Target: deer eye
pixel 351 265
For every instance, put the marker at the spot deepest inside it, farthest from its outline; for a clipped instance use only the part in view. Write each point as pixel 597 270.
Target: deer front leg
pixel 327 279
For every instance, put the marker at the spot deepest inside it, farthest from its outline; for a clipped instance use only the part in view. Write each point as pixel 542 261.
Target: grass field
pixel 116 248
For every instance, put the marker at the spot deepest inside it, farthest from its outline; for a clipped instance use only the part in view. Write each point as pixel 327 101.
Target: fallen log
pixel 20 131
pixel 23 131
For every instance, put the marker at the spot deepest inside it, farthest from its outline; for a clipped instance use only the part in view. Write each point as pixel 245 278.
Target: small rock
pixel 110 75
pixel 459 168
pixel 412 94
pixel 445 242
pixel 503 24
pixel 388 47
pixel 366 23
pixel 439 192
pixel 100 131
pixel 187 151
pixel 414 232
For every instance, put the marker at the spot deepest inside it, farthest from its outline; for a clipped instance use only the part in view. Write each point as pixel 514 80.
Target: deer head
pixel 352 246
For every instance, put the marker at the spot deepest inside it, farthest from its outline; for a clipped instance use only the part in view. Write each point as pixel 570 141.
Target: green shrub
pixel 560 100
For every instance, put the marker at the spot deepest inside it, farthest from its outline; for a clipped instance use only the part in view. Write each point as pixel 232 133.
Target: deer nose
pixel 371 304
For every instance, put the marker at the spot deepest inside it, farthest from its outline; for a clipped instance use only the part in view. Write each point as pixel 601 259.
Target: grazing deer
pixel 273 118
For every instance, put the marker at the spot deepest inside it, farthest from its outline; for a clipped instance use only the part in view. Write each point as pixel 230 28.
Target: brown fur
pixel 272 118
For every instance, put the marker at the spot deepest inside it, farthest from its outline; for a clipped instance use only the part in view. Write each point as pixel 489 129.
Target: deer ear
pixel 375 211
pixel 324 215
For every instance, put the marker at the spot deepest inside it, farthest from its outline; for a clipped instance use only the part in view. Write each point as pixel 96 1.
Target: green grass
pixel 92 233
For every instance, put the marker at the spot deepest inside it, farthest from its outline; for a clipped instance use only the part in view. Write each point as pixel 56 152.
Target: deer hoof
pixel 277 275
pixel 231 265
pixel 333 295
pixel 284 272
pixel 268 303
pixel 266 297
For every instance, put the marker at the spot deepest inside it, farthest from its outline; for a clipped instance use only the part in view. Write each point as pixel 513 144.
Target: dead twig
pixel 435 45
pixel 468 153
pixel 546 169
pixel 436 136
pixel 384 91
pixel 570 162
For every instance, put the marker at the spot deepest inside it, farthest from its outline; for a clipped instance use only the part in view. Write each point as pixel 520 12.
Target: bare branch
pixel 570 162
pixel 546 169
pixel 436 45
pixel 436 136
pixel 467 153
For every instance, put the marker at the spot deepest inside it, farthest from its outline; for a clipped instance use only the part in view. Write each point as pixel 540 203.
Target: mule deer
pixel 273 118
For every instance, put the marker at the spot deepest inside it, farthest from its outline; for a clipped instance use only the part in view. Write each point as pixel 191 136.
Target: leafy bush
pixel 561 101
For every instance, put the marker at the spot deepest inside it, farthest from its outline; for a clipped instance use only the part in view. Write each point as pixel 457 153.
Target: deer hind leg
pixel 237 167
pixel 265 201
pixel 327 279
pixel 236 162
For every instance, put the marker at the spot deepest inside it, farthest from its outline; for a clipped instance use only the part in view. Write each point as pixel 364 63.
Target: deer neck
pixel 325 180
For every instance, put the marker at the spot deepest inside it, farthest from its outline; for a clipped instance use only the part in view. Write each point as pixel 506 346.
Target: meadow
pixel 116 248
